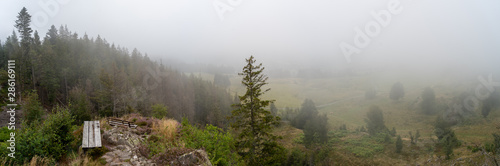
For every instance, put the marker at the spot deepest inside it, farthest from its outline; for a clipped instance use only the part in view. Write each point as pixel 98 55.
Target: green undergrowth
pixel 218 143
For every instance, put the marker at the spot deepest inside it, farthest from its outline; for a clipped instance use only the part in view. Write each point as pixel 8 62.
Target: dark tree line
pixel 101 78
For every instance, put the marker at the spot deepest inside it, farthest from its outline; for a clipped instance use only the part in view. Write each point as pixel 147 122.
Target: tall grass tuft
pixel 167 128
pixel 39 161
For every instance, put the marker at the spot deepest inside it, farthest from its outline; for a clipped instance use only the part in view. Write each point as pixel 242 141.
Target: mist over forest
pixel 395 82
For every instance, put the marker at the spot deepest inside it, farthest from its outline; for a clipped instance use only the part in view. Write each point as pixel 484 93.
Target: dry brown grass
pixel 80 159
pixel 84 161
pixel 35 161
pixel 167 128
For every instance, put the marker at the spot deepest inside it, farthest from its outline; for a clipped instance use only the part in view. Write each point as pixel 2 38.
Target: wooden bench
pixel 119 122
pixel 91 134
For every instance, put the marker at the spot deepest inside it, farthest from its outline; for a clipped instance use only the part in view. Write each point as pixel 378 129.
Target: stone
pixel 197 157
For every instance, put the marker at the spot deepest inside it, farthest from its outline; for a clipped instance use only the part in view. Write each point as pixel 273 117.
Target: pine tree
pixel 273 109
pixel 308 111
pixel 399 144
pixel 428 101
pixel 412 138
pixel 375 121
pixel 23 27
pixel 417 135
pixel 397 91
pixel 393 131
pixel 254 123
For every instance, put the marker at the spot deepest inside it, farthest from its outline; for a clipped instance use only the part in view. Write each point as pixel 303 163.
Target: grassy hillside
pixel 342 100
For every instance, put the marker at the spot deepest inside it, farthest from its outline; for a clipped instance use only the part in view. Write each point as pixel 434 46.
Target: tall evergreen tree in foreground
pixel 25 68
pixel 255 142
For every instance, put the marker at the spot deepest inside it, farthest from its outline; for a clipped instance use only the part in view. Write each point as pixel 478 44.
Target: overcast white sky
pixel 281 32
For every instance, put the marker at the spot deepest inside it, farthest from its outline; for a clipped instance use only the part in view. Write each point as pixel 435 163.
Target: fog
pixel 281 34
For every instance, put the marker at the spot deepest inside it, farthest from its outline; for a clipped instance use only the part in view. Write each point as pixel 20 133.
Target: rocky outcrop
pixel 123 144
pixel 123 149
pixel 197 157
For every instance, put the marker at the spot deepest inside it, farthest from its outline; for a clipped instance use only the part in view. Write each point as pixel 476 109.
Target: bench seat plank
pixel 91 134
pixel 85 143
pixel 97 134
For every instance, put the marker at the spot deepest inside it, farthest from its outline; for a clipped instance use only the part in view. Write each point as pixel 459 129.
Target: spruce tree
pixel 397 91
pixel 375 121
pixel 255 142
pixel 273 109
pixel 24 61
pixel 399 144
pixel 428 101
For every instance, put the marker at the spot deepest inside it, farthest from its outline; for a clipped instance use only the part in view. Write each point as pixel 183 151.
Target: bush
pixel 159 111
pixel 4 134
pixel 96 153
pixel 399 144
pixel 297 158
pixel 393 132
pixel 315 130
pixel 218 144
pixel 364 147
pixel 307 112
pixel 48 140
pixel 446 137
pixel 142 123
pixel 33 109
pixel 80 105
pixel 428 103
pixel 397 91
pixel 375 121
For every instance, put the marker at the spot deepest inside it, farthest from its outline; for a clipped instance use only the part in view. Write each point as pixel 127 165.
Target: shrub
pixel 307 112
pixel 142 123
pixel 4 134
pixel 33 109
pixel 78 136
pixel 315 130
pixel 80 105
pixel 48 140
pixel 399 144
pixel 446 137
pixel 95 153
pixel 375 120
pixel 154 138
pixel 218 144
pixel 144 150
pixel 364 147
pixel 428 103
pixel 393 132
pixel 297 158
pixel 397 91
pixel 159 111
